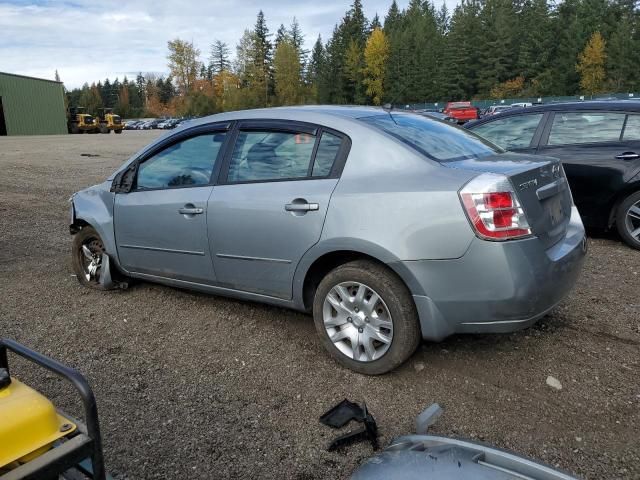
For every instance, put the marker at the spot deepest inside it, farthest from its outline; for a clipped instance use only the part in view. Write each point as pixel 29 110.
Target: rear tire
pixel 395 306
pixel 118 131
pixel 628 220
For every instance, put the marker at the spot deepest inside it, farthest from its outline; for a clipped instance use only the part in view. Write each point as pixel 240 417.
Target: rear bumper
pixel 496 287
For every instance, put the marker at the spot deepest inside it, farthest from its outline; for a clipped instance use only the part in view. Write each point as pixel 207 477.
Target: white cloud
pixel 90 41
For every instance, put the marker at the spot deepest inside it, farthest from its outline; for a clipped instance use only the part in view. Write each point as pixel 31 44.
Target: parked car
pixel 599 145
pixel 150 124
pixel 131 124
pixel 495 109
pixel 461 111
pixel 388 227
pixel 522 105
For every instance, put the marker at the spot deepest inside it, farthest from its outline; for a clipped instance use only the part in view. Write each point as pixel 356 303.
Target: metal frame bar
pixel 88 400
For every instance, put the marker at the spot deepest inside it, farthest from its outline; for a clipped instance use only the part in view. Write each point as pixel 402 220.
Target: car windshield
pixel 439 141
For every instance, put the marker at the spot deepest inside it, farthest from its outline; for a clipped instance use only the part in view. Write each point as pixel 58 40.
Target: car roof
pixel 584 105
pixel 588 105
pixel 354 112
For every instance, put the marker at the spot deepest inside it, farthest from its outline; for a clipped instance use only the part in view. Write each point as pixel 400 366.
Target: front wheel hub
pixel 92 251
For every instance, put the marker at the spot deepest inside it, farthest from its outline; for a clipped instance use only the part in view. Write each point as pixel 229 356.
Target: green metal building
pixel 31 106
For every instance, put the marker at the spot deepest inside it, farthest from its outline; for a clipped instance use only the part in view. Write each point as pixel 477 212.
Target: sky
pixel 87 41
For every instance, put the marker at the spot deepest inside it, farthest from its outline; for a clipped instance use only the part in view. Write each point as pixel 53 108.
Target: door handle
pixel 628 156
pixel 190 210
pixel 301 207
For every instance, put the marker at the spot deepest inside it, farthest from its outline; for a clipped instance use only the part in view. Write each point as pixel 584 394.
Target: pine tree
pixel 392 19
pixel 443 19
pixel 263 59
pixel 497 59
pixel 332 88
pixel 297 38
pixel 375 23
pixel 57 77
pixel 536 43
pixel 219 58
pixel 591 62
pixel 460 70
pixel 623 56
pixel 281 35
pixel 314 69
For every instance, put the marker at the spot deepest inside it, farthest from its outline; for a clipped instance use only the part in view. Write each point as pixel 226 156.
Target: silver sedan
pixel 389 227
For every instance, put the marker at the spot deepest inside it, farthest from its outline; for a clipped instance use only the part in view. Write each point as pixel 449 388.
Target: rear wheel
pixel 366 318
pixel 628 220
pixel 86 257
pixel 118 131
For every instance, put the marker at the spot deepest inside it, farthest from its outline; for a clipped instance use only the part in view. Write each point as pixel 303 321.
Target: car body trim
pixel 215 289
pixel 252 259
pixel 158 249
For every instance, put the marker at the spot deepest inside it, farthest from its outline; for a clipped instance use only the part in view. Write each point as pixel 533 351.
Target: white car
pixel 522 105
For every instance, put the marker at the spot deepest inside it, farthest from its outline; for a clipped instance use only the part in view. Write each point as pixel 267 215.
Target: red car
pixel 461 111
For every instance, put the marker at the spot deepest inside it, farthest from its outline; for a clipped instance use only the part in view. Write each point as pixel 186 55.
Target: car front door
pixel 161 224
pixel 597 155
pixel 269 205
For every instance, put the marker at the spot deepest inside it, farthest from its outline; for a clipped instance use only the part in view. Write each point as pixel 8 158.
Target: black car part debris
pixel 341 414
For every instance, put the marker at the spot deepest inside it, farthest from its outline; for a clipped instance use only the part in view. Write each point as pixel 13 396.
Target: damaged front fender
pixel 94 206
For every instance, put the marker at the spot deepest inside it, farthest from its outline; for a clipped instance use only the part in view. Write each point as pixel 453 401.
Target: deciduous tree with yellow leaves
pixel 591 63
pixel 376 54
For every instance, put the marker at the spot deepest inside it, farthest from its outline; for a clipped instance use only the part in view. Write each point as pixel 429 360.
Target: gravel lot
pixel 196 386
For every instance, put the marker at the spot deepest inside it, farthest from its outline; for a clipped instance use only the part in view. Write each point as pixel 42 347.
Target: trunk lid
pixel 540 185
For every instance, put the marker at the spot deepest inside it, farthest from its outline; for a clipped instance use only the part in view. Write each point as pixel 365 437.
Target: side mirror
pixel 123 181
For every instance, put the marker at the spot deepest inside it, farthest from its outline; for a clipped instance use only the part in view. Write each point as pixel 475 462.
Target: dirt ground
pixel 196 386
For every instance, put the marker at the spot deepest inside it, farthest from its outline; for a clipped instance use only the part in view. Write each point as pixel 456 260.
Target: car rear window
pixel 270 155
pixel 585 127
pixel 632 128
pixel 439 141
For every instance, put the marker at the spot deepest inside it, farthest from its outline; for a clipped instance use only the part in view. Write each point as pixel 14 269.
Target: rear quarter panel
pixel 396 199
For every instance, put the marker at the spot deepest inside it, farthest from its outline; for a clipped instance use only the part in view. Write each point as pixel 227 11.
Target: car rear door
pixel 270 202
pixel 161 224
pixel 598 158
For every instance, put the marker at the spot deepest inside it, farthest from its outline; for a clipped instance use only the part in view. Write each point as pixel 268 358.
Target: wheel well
pixel 77 225
pixel 323 265
pixel 620 197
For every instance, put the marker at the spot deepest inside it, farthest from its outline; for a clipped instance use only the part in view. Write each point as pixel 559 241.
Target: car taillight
pixel 493 208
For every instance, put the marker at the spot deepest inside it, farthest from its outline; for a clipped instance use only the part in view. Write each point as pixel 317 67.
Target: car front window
pixel 437 140
pixel 510 132
pixel 186 163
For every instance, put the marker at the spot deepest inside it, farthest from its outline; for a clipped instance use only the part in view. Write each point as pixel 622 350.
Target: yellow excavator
pixel 37 441
pixel 79 121
pixel 108 121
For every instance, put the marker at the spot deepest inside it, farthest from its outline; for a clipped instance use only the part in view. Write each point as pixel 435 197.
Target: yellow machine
pixel 109 121
pixel 36 440
pixel 81 122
